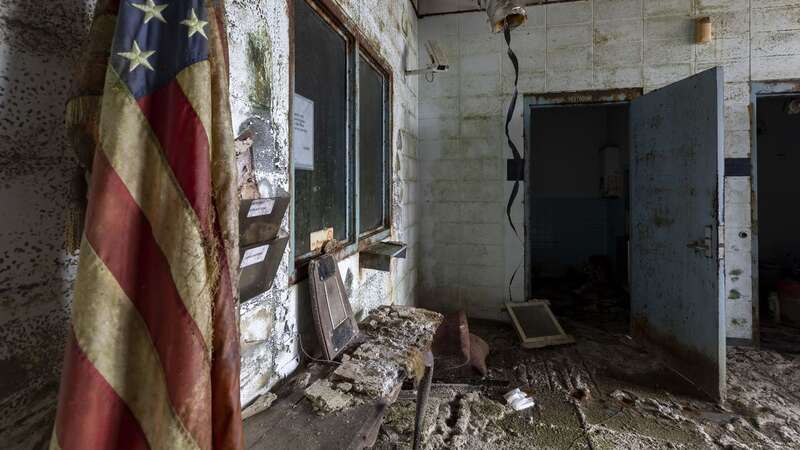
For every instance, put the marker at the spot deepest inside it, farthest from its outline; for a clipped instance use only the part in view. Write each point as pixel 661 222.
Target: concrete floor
pixel 607 392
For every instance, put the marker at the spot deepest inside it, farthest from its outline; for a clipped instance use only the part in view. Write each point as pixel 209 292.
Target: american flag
pixel 152 358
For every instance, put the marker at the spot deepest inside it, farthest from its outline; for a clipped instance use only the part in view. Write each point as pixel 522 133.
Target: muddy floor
pixel 605 392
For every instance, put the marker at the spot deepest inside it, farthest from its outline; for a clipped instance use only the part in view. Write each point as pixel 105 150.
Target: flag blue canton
pixel 161 27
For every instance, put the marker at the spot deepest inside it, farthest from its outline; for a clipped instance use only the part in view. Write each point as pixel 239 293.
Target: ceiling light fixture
pixel 504 13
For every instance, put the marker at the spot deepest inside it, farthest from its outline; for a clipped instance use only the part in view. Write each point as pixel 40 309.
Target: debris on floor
pixel 604 392
pixel 261 404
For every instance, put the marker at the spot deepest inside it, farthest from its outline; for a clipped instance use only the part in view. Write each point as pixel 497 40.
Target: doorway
pixel 777 163
pixel 578 210
pixel 664 237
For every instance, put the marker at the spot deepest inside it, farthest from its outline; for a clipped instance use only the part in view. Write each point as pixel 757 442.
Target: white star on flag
pixel 195 25
pixel 151 10
pixel 137 57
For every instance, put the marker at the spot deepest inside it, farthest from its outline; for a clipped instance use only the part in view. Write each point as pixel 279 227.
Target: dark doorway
pixel 778 163
pixel 578 209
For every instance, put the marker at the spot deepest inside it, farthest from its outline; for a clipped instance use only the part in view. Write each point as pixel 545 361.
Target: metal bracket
pixel 515 169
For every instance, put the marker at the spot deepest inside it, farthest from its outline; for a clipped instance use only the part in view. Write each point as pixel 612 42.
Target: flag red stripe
pixel 185 143
pixel 226 418
pixel 123 240
pixel 90 413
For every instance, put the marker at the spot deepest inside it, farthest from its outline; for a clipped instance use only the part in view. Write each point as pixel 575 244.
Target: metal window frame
pixel 357 44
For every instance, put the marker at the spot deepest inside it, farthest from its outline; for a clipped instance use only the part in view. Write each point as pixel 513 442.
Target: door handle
pixel 699 245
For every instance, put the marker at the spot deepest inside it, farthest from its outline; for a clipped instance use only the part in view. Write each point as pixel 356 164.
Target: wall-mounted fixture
pixel 438 61
pixel 703 30
pixel 504 13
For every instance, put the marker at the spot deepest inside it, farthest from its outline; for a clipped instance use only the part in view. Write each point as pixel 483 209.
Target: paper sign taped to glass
pixel 303 133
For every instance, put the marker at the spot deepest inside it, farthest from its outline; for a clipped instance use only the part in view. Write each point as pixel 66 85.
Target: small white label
pixel 261 207
pixel 303 132
pixel 254 256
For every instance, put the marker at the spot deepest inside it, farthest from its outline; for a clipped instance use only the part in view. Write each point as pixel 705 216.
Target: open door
pixel 676 185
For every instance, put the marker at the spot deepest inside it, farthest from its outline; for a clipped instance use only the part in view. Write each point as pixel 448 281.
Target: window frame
pixel 358 47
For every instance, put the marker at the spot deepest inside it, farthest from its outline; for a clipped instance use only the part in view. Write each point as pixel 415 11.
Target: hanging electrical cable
pixel 505 15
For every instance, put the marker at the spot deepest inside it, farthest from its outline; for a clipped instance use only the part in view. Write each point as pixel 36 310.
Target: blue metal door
pixel 676 186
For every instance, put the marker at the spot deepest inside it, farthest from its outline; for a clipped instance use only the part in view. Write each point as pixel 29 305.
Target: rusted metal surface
pixel 589 97
pixel 677 154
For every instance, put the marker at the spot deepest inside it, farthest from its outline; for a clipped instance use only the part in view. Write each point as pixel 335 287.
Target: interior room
pixel 399 224
pixel 778 247
pixel 578 207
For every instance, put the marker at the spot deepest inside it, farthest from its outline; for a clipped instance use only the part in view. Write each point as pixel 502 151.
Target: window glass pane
pixel 373 189
pixel 320 194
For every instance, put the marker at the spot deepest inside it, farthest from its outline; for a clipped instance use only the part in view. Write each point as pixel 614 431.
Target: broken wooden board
pixel 536 325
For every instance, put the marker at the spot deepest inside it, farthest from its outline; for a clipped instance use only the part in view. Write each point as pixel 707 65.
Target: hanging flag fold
pixel 152 358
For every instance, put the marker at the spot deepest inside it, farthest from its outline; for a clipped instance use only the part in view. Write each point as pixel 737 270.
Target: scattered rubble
pixel 326 398
pixel 261 404
pixel 393 341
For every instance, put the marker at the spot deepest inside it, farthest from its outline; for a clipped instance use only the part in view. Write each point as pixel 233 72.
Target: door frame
pixel 556 100
pixel 760 89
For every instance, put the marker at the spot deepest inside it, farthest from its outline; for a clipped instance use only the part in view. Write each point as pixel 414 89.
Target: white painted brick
pixel 737 191
pixel 479 147
pixel 438 27
pixel 760 4
pixel 481 191
pixel 483 105
pixel 489 128
pixel 625 54
pixel 739 318
pixel 474 23
pixel 618 31
pixel 481 276
pixel 737 117
pixel 721 49
pixel 776 19
pixel 431 108
pixel 731 24
pixel 776 43
pixel 529 61
pixel 437 129
pixel 443 85
pixel 536 16
pixel 677 29
pixel 617 9
pixel 654 8
pixel 480 44
pixel 665 52
pixel 737 215
pixel 733 71
pixel 665 74
pixel 737 93
pixel 480 64
pixel 433 149
pixel 737 143
pixel 667 7
pixel 569 80
pixel 482 212
pixel 569 13
pixel 608 78
pixel 569 58
pixel 483 233
pixel 529 83
pixel 569 36
pixel 717 6
pixel 776 67
pixel 472 85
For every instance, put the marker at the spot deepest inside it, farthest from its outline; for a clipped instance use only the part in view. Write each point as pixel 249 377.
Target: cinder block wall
pixel 468 249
